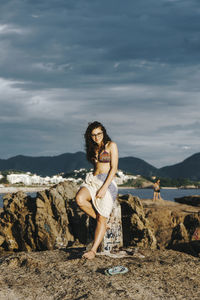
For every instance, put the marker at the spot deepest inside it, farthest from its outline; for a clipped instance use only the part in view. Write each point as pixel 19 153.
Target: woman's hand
pixel 101 192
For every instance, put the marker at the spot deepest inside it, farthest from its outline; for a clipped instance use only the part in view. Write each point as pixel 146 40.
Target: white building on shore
pixel 29 179
pixel 122 178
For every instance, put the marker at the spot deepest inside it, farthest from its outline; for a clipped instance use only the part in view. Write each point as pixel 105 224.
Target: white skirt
pixel 93 184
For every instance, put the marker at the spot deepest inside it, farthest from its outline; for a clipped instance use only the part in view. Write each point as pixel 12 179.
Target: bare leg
pixel 154 196
pixel 83 199
pixel 98 236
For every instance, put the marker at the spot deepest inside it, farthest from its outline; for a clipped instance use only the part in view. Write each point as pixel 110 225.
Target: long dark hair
pixel 90 145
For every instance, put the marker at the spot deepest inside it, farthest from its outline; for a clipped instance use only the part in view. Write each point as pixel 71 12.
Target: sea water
pixel 166 194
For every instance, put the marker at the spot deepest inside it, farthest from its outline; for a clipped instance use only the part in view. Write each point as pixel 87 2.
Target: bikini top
pixel 104 157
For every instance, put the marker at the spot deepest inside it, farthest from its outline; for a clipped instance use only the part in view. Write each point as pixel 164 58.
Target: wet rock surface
pixel 62 274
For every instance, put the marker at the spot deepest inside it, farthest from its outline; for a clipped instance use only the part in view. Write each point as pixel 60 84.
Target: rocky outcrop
pixel 136 227
pixel 185 236
pixel 38 223
pixel 52 220
pixel 189 200
pixel 174 225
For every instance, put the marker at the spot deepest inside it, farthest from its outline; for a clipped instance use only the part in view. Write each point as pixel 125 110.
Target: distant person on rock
pixel 156 188
pixel 97 195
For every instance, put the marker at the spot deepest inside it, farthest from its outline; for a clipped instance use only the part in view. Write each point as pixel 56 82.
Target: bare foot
pixel 89 255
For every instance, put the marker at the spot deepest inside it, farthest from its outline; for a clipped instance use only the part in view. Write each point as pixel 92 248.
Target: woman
pixel 156 193
pixel 97 195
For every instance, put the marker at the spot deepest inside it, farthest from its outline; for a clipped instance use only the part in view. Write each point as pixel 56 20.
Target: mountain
pixel 67 162
pixel 46 165
pixel 51 165
pixel 189 168
pixel 137 166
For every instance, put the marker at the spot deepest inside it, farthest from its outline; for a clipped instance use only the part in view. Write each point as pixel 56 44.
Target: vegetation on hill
pixel 139 182
pixel 46 165
pixel 67 162
pixel 188 169
pixel 137 166
pixel 176 182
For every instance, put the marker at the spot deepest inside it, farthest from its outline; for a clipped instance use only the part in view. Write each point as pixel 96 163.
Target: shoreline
pixel 134 188
pixel 26 189
pixel 29 189
pixel 162 188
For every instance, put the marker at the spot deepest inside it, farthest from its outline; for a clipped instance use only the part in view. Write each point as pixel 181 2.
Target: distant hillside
pixel 137 166
pixel 67 162
pixel 49 165
pixel 189 168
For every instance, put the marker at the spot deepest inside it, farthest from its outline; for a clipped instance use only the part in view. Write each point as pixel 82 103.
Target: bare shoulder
pixel 111 145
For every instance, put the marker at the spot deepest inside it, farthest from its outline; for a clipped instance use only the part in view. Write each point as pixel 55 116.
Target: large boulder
pixel 51 218
pixel 136 227
pixel 37 223
pixel 185 236
pixel 15 222
pixel 162 221
pixel 189 200
pixel 174 225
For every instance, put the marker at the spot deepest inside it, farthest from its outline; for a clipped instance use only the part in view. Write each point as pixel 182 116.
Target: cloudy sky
pixel 133 65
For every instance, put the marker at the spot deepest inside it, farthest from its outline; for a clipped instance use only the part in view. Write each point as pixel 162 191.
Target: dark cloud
pixel 132 65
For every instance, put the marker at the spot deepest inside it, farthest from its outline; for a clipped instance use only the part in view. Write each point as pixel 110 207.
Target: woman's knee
pixel 101 219
pixel 79 200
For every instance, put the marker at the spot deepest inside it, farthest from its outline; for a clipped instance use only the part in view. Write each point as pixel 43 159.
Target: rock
pixel 136 228
pixel 53 220
pixel 14 221
pixel 2 239
pixel 196 234
pixel 162 220
pixel 183 235
pixel 38 223
pixel 173 225
pixel 190 200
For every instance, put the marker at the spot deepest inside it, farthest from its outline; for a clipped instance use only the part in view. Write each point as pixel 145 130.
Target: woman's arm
pixel 113 169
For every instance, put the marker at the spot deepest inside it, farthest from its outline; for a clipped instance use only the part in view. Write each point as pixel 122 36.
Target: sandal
pixel 116 270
